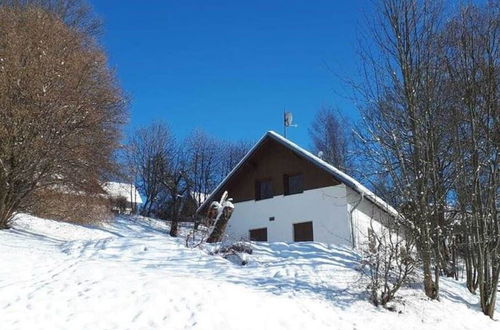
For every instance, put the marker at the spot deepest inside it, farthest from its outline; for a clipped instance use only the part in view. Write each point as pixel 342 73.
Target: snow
pixel 199 197
pixel 129 274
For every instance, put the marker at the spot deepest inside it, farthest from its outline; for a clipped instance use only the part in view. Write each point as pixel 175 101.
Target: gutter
pixel 353 237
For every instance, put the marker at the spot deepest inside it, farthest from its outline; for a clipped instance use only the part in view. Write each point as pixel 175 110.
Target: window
pixel 293 184
pixel 303 232
pixel 258 235
pixel 263 189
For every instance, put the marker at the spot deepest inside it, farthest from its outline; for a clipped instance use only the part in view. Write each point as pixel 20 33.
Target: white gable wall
pixel 325 207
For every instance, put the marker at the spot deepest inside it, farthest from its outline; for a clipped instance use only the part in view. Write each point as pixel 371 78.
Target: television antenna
pixel 288 121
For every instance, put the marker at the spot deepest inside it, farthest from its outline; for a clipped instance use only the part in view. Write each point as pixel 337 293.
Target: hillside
pixel 131 275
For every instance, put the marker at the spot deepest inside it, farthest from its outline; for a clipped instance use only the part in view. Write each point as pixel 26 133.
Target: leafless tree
pixel 175 177
pixel 330 136
pixel 431 126
pixel 403 123
pixel 176 189
pixel 473 66
pixel 147 150
pixel 203 163
pixel 76 14
pixel 230 155
pixel 61 109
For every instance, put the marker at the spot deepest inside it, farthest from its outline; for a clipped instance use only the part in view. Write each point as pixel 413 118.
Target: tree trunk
pixel 174 228
pixel 6 213
pixel 430 288
pixel 220 225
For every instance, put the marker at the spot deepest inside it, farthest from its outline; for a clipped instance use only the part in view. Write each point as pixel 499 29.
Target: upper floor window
pixel 293 184
pixel 263 189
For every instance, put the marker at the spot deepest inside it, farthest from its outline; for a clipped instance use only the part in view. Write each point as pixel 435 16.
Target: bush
pixel 74 208
pixel 390 264
pixel 119 204
pixel 237 253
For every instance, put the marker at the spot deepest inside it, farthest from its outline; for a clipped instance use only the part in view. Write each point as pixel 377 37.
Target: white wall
pixel 365 215
pixel 325 207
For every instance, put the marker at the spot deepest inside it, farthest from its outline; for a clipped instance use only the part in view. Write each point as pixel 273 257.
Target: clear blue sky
pixel 230 67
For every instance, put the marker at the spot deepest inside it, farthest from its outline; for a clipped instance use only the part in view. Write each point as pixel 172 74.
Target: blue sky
pixel 230 67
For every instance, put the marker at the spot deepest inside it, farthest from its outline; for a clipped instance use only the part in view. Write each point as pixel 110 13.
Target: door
pixel 258 235
pixel 303 232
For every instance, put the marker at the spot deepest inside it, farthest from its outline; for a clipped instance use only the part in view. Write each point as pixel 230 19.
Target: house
pixel 125 197
pixel 281 192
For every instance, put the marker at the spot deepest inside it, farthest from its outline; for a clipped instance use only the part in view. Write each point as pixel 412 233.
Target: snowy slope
pixel 131 275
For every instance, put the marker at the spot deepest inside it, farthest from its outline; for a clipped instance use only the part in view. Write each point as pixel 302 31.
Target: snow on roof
pixel 126 190
pixel 338 174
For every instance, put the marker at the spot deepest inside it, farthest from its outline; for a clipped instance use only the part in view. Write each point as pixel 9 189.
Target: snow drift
pixel 131 275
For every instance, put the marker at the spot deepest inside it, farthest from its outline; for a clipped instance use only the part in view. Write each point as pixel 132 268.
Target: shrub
pixel 71 207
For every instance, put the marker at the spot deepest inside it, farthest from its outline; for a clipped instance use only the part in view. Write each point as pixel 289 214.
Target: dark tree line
pixel 176 176
pixel 430 96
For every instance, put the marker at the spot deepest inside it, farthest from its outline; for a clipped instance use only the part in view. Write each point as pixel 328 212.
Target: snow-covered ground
pixel 131 275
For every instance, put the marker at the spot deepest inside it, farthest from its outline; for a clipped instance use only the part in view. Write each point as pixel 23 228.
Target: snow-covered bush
pixel 236 252
pixel 388 263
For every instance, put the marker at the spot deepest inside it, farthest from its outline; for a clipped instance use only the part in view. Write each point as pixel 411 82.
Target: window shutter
pixel 257 190
pixel 286 184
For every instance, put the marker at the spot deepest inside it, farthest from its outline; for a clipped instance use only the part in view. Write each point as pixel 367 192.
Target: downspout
pixel 351 211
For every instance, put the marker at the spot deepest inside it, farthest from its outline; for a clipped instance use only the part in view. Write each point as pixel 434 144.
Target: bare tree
pixel 403 120
pixel 171 175
pixel 473 63
pixel 203 163
pixel 176 190
pixel 76 14
pixel 431 123
pixel 147 151
pixel 330 136
pixel 61 107
pixel 230 155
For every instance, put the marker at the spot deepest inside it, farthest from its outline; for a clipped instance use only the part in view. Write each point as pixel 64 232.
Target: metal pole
pixel 284 121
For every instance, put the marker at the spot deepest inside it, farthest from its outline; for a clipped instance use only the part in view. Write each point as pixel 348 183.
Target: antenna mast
pixel 287 121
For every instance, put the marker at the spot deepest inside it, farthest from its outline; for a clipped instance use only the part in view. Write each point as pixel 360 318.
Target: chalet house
pixel 282 192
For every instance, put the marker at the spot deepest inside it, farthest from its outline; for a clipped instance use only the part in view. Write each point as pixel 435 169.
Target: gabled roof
pixel 337 174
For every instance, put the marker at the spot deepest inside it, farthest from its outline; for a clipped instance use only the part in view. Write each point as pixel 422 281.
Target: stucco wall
pixel 325 207
pixel 365 215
